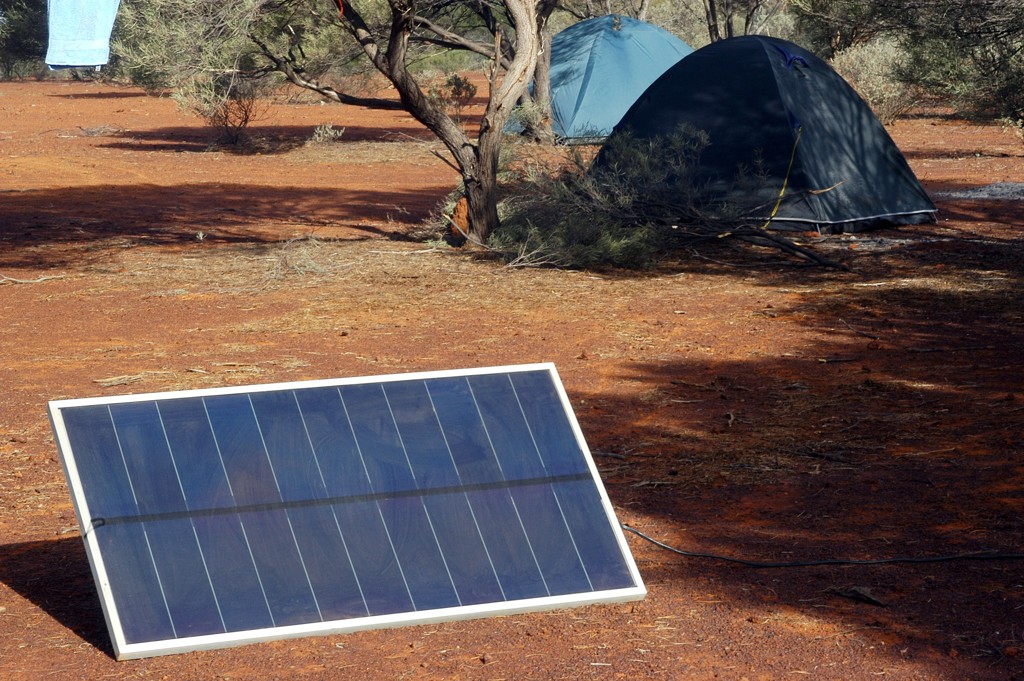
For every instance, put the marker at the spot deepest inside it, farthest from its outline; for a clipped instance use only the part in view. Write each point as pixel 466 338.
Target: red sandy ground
pixel 760 410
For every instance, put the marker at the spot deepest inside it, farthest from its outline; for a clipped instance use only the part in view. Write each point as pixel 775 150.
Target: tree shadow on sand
pixel 47 228
pixel 897 436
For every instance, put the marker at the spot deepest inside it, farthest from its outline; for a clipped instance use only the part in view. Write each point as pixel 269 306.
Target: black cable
pixel 978 555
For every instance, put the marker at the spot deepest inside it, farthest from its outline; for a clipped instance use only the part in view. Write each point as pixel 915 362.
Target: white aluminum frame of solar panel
pixel 234 515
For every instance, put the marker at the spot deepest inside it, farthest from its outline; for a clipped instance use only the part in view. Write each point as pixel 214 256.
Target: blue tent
pixel 600 66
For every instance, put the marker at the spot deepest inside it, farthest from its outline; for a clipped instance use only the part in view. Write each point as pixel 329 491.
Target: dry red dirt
pixel 760 410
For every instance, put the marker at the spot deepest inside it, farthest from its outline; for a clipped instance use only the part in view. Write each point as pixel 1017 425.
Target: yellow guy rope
pixel 785 181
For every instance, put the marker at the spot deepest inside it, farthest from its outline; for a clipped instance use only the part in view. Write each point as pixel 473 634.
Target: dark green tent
pixel 768 103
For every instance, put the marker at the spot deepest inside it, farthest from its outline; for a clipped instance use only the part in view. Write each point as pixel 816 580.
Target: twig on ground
pixel 846 633
pixel 697 254
pixel 418 251
pixel 534 258
pixel 837 458
pixel 5 279
pixel 859 333
pixel 759 237
pixel 112 381
pixel 968 348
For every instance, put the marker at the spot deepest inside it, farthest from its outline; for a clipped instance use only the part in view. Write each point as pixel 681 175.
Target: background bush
pixel 22 38
pixel 984 82
pixel 873 69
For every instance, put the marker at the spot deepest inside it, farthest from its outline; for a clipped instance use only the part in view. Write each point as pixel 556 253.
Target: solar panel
pixel 234 515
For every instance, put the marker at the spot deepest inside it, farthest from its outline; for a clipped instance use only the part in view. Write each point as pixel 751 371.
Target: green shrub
pixel 872 69
pixel 448 61
pixel 639 203
pixel 969 54
pixel 527 115
pixel 828 27
pixel 22 38
pixel 983 90
pixel 227 104
pixel 453 94
pixel 573 241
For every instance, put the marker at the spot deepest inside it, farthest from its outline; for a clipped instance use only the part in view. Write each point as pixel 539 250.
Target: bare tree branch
pixel 454 40
pixel 286 66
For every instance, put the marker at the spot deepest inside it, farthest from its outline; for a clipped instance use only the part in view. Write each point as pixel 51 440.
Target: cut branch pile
pixel 632 211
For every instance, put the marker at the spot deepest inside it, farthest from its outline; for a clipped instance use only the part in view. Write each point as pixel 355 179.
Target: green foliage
pixel 22 37
pixel 970 54
pixel 228 106
pixel 981 82
pixel 684 18
pixel 872 69
pixel 303 30
pixel 689 19
pixel 164 44
pixel 573 241
pixel 527 115
pixel 641 201
pixel 828 27
pixel 202 52
pixel 452 94
pixel 447 61
pixel 199 51
pixel 201 46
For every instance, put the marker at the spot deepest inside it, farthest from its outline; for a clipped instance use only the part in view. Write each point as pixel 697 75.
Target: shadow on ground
pixel 902 437
pixel 159 215
pixel 55 576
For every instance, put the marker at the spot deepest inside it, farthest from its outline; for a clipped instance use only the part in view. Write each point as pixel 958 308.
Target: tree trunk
pixel 541 129
pixel 482 197
pixel 542 74
pixel 476 161
pixel 645 6
pixel 711 19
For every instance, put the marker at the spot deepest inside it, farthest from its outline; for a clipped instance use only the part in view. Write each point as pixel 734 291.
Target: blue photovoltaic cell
pixel 210 514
